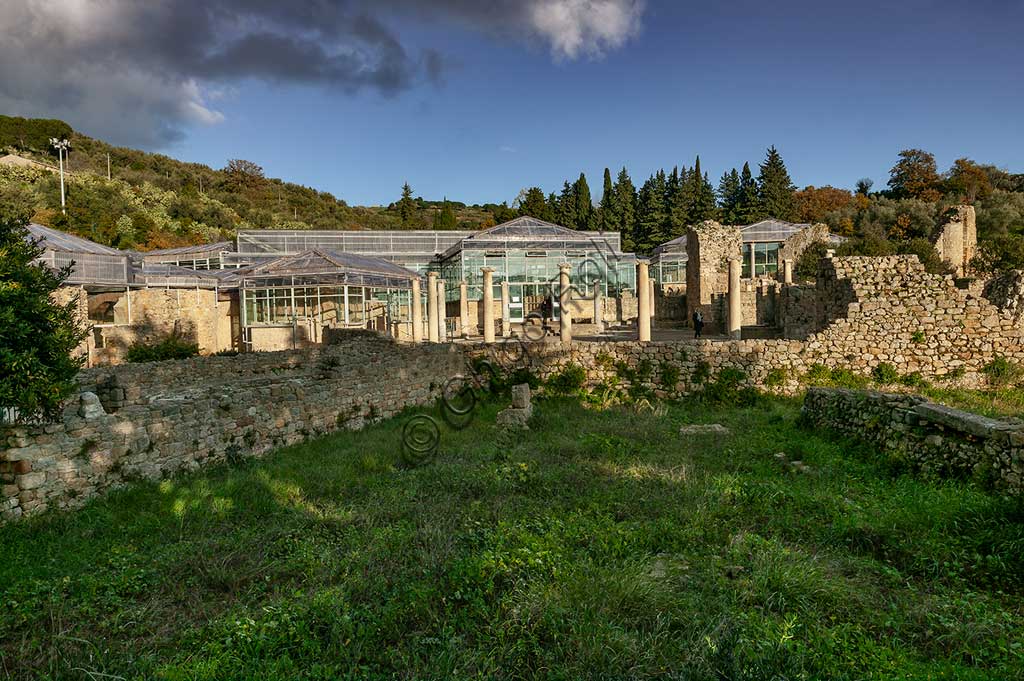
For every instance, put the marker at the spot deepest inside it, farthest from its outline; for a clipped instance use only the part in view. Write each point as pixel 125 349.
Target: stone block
pixel 30 481
pixel 89 406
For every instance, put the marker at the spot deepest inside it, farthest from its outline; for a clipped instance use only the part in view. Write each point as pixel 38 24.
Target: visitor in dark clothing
pixel 698 323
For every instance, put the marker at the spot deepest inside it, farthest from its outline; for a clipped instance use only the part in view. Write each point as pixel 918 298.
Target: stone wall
pixel 794 246
pixel 709 246
pixel 171 416
pixel 957 240
pixel 934 439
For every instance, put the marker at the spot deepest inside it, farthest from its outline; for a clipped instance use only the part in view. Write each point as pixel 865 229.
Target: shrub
pixel 776 378
pixel 568 381
pixel 170 347
pixel 885 374
pixel 669 376
pixel 914 380
pixel 917 337
pixel 1002 372
pixel 728 388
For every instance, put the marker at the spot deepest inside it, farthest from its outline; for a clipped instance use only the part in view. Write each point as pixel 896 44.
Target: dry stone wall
pixel 936 440
pixel 169 416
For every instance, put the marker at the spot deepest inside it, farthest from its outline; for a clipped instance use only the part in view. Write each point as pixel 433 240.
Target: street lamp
pixel 62 147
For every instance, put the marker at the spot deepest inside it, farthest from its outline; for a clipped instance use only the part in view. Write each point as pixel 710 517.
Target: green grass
pixel 600 544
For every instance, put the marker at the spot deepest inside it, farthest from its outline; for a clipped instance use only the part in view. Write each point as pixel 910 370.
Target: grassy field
pixel 601 544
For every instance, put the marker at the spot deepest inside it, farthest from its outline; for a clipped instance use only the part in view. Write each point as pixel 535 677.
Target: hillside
pixel 154 201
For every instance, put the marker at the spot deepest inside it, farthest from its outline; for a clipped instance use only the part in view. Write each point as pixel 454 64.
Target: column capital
pixel 564 266
pixel 431 275
pixel 486 270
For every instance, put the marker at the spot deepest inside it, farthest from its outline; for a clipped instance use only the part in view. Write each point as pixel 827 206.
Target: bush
pixel 171 347
pixel 885 374
pixel 728 389
pixel 568 381
pixel 776 378
pixel 1002 372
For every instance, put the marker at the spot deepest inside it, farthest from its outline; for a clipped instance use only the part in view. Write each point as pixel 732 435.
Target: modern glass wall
pixel 537 267
pixel 761 259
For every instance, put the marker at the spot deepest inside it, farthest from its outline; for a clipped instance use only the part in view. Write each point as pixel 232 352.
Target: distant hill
pixel 154 201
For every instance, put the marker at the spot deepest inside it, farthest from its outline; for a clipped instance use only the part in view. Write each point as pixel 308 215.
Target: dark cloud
pixel 138 73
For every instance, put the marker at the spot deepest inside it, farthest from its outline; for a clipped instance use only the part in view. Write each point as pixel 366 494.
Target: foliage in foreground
pixel 37 334
pixel 599 544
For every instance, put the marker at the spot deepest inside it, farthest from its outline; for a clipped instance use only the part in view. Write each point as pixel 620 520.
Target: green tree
pixel 406 206
pixel 968 181
pixel 729 197
pixel 915 176
pixel 748 209
pixel 703 205
pixel 445 218
pixel 652 216
pixel 584 214
pixel 775 188
pixel 566 209
pixel 678 200
pixel 37 334
pixel 625 201
pixel 609 210
pixel 534 204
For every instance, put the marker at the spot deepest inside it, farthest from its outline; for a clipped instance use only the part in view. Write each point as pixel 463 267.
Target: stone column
pixel 598 308
pixel 565 303
pixel 506 317
pixel 643 304
pixel 417 312
pixel 734 318
pixel 442 312
pixel 787 271
pixel 652 296
pixel 464 308
pixel 432 306
pixel 488 303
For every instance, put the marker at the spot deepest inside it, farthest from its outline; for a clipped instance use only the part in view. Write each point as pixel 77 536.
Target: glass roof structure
pixel 770 230
pixel 403 246
pixel 162 254
pixel 172 276
pixel 530 233
pixel 314 267
pixel 91 263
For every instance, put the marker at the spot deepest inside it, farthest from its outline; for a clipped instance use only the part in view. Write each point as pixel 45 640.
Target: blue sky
pixel 838 88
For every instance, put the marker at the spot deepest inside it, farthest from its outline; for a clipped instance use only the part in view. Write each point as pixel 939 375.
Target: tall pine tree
pixel 702 206
pixel 534 204
pixel 609 206
pixel 566 211
pixel 729 197
pixel 625 201
pixel 652 216
pixel 775 188
pixel 584 205
pixel 748 208
pixel 406 206
pixel 678 201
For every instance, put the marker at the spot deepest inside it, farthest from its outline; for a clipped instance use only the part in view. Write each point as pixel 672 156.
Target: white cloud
pixel 586 27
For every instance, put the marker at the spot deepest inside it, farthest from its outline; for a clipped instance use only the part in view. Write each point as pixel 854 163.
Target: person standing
pixel 698 323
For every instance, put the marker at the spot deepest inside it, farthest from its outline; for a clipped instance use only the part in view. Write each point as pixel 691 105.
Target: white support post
pixel 432 307
pixel 506 318
pixel 734 318
pixel 488 303
pixel 565 303
pixel 643 305
pixel 417 312
pixel 464 308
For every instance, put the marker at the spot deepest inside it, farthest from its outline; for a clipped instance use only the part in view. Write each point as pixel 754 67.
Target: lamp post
pixel 62 147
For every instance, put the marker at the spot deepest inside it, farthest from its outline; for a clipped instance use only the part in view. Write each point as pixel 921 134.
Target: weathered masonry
pixel 934 439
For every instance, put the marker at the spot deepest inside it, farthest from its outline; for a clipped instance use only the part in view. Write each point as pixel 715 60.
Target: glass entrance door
pixel 516 312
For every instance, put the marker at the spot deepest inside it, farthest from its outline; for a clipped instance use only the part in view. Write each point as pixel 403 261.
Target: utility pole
pixel 61 146
pixel 108 166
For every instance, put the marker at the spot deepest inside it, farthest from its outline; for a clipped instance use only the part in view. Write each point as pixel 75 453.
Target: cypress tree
pixel 584 205
pixel 775 188
pixel 609 206
pixel 729 197
pixel 625 202
pixel 748 208
pixel 703 205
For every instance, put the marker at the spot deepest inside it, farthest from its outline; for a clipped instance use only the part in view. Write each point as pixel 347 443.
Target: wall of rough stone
pixel 794 246
pixel 957 240
pixel 936 440
pixel 180 415
pixel 709 246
